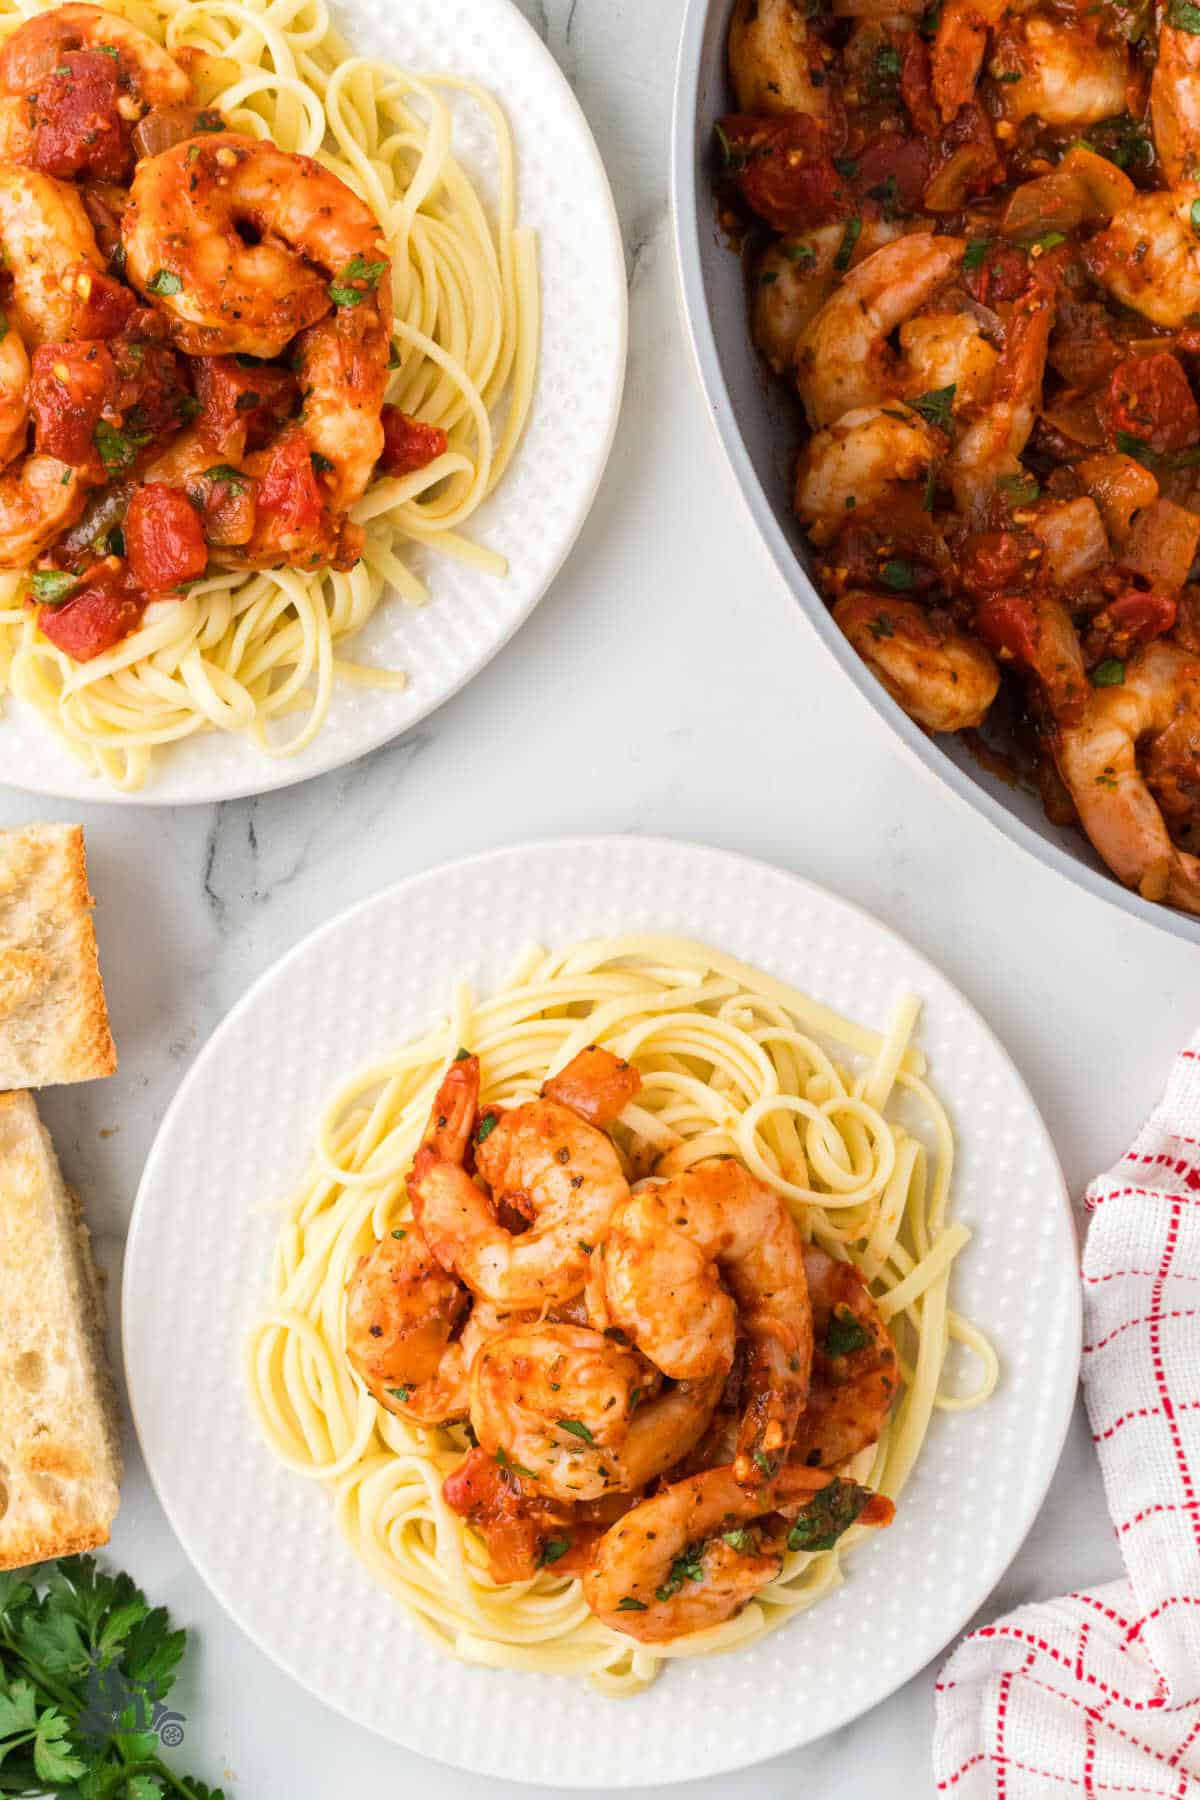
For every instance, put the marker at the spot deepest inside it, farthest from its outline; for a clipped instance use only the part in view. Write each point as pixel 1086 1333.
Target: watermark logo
pixel 114 1703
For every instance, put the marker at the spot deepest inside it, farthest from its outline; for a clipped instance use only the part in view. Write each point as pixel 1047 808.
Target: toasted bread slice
pixel 60 1460
pixel 53 1020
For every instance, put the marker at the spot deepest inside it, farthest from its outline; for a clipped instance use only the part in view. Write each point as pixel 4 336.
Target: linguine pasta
pixel 838 1118
pixel 260 653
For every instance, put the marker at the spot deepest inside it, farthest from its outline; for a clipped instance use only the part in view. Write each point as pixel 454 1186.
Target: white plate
pixel 264 1539
pixel 537 512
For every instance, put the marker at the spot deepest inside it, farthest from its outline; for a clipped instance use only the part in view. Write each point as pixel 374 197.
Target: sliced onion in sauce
pixel 165 126
pixel 103 511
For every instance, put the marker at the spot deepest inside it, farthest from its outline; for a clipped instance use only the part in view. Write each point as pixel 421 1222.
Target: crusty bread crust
pixel 53 1018
pixel 60 1465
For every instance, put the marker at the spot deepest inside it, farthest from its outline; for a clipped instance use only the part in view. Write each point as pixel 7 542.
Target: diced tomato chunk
pixel 103 610
pixel 164 539
pixel 998 561
pixel 242 405
pixel 784 168
pixel 893 171
pixel 514 1523
pixel 77 123
pixel 1009 622
pixel 288 493
pixel 408 444
pixel 104 307
pixel 1002 274
pixel 69 387
pixel 1136 617
pixel 1150 397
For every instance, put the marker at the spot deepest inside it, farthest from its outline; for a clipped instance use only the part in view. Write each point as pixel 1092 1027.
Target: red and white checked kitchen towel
pixel 1099 1693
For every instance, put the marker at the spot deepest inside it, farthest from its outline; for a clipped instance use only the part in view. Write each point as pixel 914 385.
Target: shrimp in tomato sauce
pixel 972 247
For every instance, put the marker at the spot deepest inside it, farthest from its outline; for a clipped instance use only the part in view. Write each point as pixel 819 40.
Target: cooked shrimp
pixel 1059 71
pixel 580 1414
pixel 320 245
pixel 844 359
pixel 1175 103
pixel 854 1374
pixel 958 50
pixel 658 1277
pixel 1149 256
pixel 402 1310
pixel 947 350
pixel 14 392
pixel 1133 757
pixel 865 457
pixel 342 365
pixel 38 498
pixel 772 57
pixel 989 449
pixel 795 278
pixel 943 679
pixel 541 1160
pixel 693 1555
pixel 36 47
pixel 45 235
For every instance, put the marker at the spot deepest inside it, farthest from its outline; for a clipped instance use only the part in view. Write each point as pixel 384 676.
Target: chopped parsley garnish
pixel 323 466
pixel 821 1523
pixel 227 475
pixel 399 1233
pixel 846 165
pixel 577 1428
pixel 506 1462
pixel 975 252
pixel 357 269
pixel 937 406
pixel 118 448
pixel 897 575
pixel 628 1604
pixel 1049 240
pixel 769 278
pixel 165 281
pixel 844 1334
pixel 460 1055
pixel 553 1549
pixel 799 253
pixel 586 1248
pixel 1109 673
pixel 487 1125
pixel 881 627
pixel 763 1462
pixel 52 586
pixel 739 1540
pixel 1184 16
pixel 887 194
pixel 887 63
pixel 1022 490
pixel 1195 215
pixel 687 1567
pixel 845 249
pixel 400 1393
pixel 1137 447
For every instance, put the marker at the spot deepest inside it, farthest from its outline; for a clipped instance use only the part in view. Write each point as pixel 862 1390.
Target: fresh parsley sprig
pixel 85 1665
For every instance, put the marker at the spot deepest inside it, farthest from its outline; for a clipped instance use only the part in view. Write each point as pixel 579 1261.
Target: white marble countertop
pixel 667 684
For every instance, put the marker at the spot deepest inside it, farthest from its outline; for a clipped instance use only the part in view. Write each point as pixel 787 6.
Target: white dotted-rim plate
pixel 264 1539
pixel 539 508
